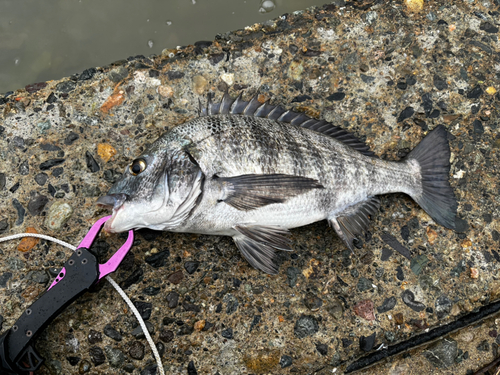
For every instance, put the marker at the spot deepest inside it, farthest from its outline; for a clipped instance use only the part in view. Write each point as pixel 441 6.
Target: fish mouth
pixel 114 202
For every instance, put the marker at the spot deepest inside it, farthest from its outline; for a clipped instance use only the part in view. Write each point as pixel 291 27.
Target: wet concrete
pixel 389 73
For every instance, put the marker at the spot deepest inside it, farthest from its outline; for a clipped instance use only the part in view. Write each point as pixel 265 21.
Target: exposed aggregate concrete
pixel 389 73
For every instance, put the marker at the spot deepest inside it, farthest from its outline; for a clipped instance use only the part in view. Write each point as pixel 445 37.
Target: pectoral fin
pixel 258 243
pixel 251 191
pixel 354 220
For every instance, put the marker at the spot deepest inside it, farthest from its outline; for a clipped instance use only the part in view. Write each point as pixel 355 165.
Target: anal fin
pixel 354 220
pixel 258 243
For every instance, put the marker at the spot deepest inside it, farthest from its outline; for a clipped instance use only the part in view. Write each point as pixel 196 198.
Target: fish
pixel 253 171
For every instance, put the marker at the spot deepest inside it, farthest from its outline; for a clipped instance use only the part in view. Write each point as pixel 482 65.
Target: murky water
pixel 44 40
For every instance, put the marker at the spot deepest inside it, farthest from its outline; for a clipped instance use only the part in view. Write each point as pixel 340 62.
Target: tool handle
pixel 16 345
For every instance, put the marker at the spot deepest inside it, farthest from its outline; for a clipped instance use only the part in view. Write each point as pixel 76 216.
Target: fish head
pixel 157 190
pixel 140 192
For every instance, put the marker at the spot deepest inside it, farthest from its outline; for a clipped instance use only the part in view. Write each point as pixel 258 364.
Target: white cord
pixel 112 282
pixel 42 236
pixel 141 322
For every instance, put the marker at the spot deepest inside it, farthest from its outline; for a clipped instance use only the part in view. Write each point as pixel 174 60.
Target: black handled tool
pixel 80 272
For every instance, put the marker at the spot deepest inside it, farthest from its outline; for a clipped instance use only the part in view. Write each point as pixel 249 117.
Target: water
pixel 44 40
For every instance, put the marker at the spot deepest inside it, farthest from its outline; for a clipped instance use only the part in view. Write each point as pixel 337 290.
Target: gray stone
pixel 173 299
pixel 44 126
pixel 20 211
pixel 59 213
pixel 191 266
pixel 409 299
pixel 41 178
pixel 70 138
pixel 51 163
pixel 129 367
pixel 94 337
pixel 6 276
pixel 24 168
pixel 418 263
pixel 335 309
pixel 15 264
pixel 306 325
pixel 4 225
pixel 73 360
pixel 40 277
pixel 37 203
pixel 458 269
pixel 440 83
pixel 431 16
pixel 118 74
pixel 443 306
pixel 115 356
pixel 144 308
pixel 72 343
pixel 312 301
pixel 231 303
pixel 136 350
pixel 443 353
pixel 18 142
pixel 348 62
pixel 286 361
pixel 152 370
pixel 367 79
pixel 166 335
pixel 379 272
pixel 91 191
pixel 55 367
pixel 84 367
pixel 292 274
pixel 371 17
pixel 112 333
pixel 387 305
pixel 364 284
pixel 65 86
pixel 139 334
pixel 92 164
pixel 227 333
pixel 366 343
pixel 97 355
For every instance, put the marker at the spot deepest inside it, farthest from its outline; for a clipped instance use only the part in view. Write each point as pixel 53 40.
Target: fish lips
pixel 114 202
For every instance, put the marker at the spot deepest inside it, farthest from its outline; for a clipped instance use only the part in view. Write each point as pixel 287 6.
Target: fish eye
pixel 137 166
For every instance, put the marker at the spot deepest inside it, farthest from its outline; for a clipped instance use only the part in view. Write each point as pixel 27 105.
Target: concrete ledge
pixel 388 72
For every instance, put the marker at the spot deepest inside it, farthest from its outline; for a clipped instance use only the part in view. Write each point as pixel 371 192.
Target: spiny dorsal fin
pixel 254 108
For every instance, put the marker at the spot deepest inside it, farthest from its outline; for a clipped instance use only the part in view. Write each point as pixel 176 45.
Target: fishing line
pixel 112 282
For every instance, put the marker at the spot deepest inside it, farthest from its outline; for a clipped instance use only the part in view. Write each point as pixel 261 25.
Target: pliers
pixel 80 272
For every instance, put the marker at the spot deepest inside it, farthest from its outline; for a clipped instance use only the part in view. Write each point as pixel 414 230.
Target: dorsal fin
pixel 276 112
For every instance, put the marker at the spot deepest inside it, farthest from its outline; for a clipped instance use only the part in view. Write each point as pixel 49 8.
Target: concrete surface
pixel 62 143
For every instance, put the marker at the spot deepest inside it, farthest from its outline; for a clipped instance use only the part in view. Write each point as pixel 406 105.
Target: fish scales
pixel 346 175
pixel 253 172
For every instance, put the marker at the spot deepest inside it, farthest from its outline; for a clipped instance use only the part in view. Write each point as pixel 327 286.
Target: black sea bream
pixel 252 171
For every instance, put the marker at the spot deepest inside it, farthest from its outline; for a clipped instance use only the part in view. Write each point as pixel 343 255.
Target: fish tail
pixel 436 196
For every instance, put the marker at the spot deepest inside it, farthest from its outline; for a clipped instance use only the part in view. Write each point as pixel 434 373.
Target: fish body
pixel 252 171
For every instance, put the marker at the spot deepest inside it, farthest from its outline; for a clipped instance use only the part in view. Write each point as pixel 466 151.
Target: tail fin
pixel 437 197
